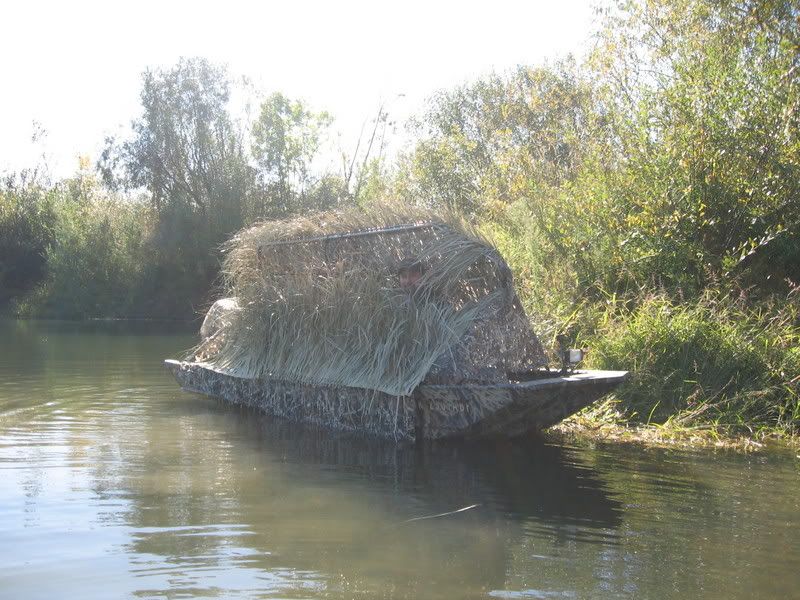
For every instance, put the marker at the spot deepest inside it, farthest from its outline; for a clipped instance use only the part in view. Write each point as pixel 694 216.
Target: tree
pixel 286 138
pixel 704 98
pixel 185 149
pixel 187 152
pixel 489 141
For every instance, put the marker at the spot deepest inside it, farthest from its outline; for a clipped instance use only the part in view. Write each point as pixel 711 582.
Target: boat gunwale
pixel 576 378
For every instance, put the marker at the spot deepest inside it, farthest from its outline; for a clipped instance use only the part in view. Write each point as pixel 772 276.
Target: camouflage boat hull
pixel 433 411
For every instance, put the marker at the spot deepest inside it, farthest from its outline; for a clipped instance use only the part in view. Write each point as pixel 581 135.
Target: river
pixel 116 484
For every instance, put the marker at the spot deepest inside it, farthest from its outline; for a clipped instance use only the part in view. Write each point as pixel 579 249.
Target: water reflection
pixel 517 478
pixel 340 512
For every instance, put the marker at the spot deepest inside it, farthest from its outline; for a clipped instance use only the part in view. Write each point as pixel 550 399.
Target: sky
pixel 73 69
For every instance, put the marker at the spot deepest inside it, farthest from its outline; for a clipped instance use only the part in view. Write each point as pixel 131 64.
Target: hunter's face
pixel 409 280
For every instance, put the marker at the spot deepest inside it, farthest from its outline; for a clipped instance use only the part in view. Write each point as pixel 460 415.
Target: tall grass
pixel 74 249
pixel 715 360
pixel 329 310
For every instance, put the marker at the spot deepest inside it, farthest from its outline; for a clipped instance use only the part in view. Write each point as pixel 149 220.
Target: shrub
pixel 740 366
pixel 94 263
pixel 26 230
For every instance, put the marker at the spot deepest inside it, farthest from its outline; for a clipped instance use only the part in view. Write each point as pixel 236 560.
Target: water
pixel 115 484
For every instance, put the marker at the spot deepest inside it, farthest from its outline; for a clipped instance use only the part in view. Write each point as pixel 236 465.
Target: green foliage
pixel 704 102
pixel 495 140
pixel 93 266
pixel 95 254
pixel 98 255
pixel 668 161
pixel 623 189
pixel 286 138
pixel 26 230
pixel 732 364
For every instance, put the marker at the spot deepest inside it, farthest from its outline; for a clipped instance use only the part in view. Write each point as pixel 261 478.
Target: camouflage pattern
pixel 433 411
pixel 498 343
pixel 335 407
pixel 508 409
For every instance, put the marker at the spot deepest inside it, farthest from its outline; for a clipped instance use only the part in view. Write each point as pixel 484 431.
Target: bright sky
pixel 75 67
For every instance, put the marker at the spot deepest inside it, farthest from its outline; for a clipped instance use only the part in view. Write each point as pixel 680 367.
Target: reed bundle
pixel 319 302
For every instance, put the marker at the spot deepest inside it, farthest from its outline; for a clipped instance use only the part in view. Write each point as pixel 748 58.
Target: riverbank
pixel 606 423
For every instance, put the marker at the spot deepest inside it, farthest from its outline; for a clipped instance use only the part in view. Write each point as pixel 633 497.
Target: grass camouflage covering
pixel 319 302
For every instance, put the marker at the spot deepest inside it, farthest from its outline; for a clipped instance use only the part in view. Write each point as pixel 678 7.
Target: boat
pixel 404 331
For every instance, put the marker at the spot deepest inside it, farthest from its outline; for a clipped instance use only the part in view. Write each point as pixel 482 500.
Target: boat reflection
pixel 308 509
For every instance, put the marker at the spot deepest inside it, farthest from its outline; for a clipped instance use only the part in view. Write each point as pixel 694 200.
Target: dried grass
pixel 322 306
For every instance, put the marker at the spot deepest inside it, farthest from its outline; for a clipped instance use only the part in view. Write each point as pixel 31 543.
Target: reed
pixel 718 361
pixel 320 303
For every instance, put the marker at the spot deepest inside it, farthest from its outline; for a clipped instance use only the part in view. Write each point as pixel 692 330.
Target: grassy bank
pixel 606 424
pixel 719 360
